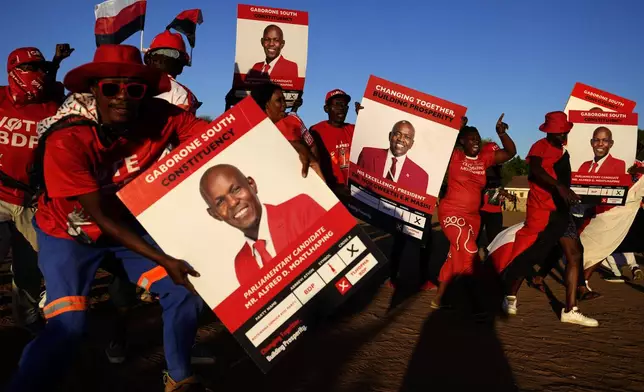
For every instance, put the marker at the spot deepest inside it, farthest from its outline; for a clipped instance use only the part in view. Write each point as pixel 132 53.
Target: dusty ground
pixel 386 341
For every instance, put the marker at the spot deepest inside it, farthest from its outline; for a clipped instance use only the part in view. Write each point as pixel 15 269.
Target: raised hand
pixel 501 127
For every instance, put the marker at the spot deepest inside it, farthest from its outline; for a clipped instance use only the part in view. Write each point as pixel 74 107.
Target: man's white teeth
pixel 241 212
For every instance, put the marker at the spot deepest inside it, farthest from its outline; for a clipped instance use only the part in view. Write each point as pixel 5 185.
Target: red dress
pixel 458 212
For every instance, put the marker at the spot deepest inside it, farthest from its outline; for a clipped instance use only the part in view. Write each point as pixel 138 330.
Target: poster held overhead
pixel 602 147
pixel 401 147
pixel 272 45
pixel 276 253
pixel 584 97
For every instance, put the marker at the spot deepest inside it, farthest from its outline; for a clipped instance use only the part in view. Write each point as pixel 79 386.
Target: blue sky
pixel 517 57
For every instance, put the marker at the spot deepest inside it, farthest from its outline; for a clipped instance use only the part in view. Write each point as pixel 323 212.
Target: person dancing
pixel 549 228
pixel 458 211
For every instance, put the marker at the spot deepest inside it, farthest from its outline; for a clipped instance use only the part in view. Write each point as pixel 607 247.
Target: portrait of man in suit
pixel 267 229
pixel 603 162
pixel 274 66
pixel 393 163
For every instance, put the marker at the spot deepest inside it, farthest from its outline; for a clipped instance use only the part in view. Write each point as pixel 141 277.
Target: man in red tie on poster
pixel 275 66
pixel 268 229
pixel 393 163
pixel 603 163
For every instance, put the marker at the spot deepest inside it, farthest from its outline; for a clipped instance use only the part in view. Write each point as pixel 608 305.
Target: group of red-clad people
pixel 121 115
pixel 64 158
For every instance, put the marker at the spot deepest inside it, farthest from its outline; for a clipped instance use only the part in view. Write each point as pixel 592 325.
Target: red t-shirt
pixel 18 138
pixel 491 208
pixel 465 181
pixel 539 197
pixel 291 128
pixel 337 142
pixel 76 162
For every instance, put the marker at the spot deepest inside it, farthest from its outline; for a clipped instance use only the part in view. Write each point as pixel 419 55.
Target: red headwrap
pixel 25 86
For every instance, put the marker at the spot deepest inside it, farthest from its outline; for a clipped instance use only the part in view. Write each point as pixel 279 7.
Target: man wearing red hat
pixel 167 53
pixel 32 95
pixel 334 140
pixel 108 131
pixel 549 228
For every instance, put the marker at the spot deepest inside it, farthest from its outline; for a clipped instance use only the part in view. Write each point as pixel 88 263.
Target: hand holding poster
pixel 401 147
pixel 275 251
pixel 602 147
pixel 271 46
pixel 584 97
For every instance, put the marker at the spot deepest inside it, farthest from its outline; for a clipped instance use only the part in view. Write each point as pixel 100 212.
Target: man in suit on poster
pixel 603 163
pixel 274 66
pixel 268 229
pixel 392 163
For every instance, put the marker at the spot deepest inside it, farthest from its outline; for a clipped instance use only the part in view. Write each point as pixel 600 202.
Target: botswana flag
pixel 117 20
pixel 186 23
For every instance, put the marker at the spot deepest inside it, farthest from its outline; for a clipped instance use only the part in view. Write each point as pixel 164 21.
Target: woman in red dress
pixel 458 211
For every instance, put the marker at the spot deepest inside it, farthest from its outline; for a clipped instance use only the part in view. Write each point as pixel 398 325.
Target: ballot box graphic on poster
pixel 584 97
pixel 272 45
pixel 401 147
pixel 276 251
pixel 602 147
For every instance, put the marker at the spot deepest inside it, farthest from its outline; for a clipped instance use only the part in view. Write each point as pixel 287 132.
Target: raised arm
pixel 509 150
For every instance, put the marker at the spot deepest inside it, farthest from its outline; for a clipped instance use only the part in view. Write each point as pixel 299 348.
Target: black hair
pixel 464 132
pixel 262 93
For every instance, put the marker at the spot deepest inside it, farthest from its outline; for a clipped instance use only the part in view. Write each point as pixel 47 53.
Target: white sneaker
pixel 510 304
pixel 576 317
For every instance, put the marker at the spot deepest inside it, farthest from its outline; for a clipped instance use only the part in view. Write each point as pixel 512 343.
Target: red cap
pixel 556 122
pixel 168 40
pixel 336 93
pixel 23 56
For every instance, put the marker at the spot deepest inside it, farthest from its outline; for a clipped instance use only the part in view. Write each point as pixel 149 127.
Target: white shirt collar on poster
pixel 264 234
pixel 271 65
pixel 594 166
pixel 400 161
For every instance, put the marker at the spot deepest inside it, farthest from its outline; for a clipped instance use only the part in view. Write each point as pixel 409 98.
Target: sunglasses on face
pixel 133 90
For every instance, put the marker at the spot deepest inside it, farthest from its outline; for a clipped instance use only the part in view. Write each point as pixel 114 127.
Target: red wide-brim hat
pixel 556 122
pixel 116 61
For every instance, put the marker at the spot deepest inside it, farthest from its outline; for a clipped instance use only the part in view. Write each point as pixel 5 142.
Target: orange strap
pixel 152 276
pixel 64 305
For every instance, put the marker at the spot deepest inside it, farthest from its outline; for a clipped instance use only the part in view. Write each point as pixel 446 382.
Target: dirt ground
pixel 385 340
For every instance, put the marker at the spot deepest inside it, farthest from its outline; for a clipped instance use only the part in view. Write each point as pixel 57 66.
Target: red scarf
pixel 26 86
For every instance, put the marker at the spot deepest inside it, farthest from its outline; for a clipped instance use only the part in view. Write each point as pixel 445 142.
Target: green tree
pixel 514 167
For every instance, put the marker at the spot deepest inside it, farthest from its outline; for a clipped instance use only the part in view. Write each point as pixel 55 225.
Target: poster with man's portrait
pixel 275 251
pixel 401 147
pixel 272 45
pixel 584 97
pixel 602 147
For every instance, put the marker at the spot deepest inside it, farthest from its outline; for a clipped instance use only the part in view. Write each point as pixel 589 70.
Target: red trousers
pixel 461 229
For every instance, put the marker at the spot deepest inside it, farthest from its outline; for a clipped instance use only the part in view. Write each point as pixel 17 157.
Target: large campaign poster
pixel 401 147
pixel 275 251
pixel 272 45
pixel 584 97
pixel 602 147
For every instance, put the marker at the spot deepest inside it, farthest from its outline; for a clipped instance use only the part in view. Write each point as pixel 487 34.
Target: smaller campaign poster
pixel 276 251
pixel 272 45
pixel 602 147
pixel 402 144
pixel 584 97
